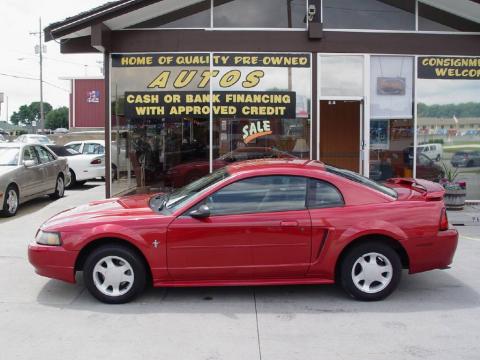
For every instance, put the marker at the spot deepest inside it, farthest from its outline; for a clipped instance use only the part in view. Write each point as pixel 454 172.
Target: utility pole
pixel 40 51
pixel 41 126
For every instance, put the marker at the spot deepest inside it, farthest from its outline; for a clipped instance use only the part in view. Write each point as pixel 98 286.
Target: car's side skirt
pixel 256 282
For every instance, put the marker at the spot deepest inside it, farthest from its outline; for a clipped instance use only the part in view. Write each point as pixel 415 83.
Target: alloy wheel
pixel 12 201
pixel 113 276
pixel 60 186
pixel 372 272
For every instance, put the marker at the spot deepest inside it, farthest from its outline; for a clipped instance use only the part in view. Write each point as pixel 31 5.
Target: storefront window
pixel 276 123
pixel 341 75
pixel 187 14
pixel 260 14
pixel 391 111
pixel 164 104
pixel 433 19
pixel 369 14
pixel 448 126
pixel 156 137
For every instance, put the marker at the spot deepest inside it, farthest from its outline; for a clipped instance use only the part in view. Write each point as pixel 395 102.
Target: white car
pixel 98 147
pixel 83 167
pixel 433 151
pixel 33 139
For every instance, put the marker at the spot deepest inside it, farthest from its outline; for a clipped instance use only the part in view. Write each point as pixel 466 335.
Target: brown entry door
pixel 340 134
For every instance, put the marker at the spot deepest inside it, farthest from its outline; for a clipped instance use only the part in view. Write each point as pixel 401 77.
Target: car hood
pixel 98 211
pixel 4 170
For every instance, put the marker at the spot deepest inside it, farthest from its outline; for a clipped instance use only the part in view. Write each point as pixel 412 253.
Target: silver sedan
pixel 28 171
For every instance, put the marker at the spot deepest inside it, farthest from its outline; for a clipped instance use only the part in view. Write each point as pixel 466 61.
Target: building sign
pixel 391 85
pixel 255 130
pixel 93 96
pixel 457 68
pixel 227 104
pixel 230 59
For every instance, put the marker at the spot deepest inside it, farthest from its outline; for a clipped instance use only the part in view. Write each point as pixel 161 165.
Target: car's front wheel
pixel 10 201
pixel 114 274
pixel 370 271
pixel 59 188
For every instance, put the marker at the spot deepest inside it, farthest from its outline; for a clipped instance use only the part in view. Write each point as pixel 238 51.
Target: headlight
pixel 48 238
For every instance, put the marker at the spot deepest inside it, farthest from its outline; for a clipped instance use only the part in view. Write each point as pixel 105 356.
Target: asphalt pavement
pixel 433 315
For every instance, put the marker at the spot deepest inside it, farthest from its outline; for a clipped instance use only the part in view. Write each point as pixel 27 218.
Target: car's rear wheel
pixel 370 271
pixel 10 201
pixel 73 179
pixel 59 188
pixel 114 274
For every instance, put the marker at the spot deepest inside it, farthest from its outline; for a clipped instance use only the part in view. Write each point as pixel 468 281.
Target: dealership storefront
pixel 195 85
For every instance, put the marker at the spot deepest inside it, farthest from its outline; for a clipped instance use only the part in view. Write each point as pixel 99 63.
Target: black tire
pixel 114 173
pixel 73 180
pixel 59 188
pixel 93 279
pixel 349 267
pixel 7 210
pixel 437 158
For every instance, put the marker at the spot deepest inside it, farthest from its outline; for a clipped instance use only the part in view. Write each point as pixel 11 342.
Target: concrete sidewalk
pixel 469 216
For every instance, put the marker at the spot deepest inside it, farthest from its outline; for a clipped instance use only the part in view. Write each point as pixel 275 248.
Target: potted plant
pixel 455 191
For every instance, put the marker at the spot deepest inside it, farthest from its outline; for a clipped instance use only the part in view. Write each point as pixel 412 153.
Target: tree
pixel 57 118
pixel 28 113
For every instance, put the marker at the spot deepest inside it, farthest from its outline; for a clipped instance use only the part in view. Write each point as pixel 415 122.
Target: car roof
pixel 275 164
pixel 15 144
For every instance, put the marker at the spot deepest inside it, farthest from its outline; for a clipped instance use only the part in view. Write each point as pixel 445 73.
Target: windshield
pixel 350 175
pixel 177 198
pixel 9 156
pixel 63 151
pixel 39 139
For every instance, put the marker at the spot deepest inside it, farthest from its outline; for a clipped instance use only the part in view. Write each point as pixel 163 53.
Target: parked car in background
pixel 33 139
pixel 3 132
pixel 467 158
pixel 432 151
pixel 183 174
pixel 427 169
pixel 261 222
pixel 28 171
pixel 97 147
pixel 2 139
pixel 82 167
pixel 61 131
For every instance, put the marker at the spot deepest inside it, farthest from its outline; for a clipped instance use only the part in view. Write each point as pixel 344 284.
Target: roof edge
pixel 93 16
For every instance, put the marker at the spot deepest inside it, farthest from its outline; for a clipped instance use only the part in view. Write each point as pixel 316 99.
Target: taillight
pixel 443 220
pixel 96 162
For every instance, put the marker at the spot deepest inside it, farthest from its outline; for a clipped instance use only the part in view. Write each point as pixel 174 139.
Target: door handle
pixel 288 223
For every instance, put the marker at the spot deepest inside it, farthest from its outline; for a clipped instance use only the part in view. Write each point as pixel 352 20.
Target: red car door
pixel 258 227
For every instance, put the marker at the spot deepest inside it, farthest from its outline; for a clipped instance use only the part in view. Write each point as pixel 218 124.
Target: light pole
pixel 40 53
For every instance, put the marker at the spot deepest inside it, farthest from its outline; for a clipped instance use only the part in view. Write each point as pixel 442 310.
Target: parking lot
pixel 433 315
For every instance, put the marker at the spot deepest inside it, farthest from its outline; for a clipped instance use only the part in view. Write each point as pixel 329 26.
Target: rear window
pixel 350 175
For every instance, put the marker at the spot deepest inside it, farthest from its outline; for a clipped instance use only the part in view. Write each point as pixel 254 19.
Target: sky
pixel 17 56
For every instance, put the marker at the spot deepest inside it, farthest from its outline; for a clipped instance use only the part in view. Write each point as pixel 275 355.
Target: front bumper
pixel 53 261
pixel 435 254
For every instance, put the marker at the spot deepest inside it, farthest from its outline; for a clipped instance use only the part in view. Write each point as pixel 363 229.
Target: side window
pixel 29 154
pixel 91 148
pixel 321 194
pixel 260 194
pixel 44 155
pixel 75 147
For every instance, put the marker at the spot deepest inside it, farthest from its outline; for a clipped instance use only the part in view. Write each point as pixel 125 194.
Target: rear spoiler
pixel 431 191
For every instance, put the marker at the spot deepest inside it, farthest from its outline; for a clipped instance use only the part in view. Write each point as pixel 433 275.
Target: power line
pixel 32 78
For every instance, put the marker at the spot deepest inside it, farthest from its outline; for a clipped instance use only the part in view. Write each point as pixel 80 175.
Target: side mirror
pixel 201 213
pixel 29 163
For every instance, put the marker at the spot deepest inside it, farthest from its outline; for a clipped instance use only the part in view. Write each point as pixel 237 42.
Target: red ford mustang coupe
pixel 263 222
